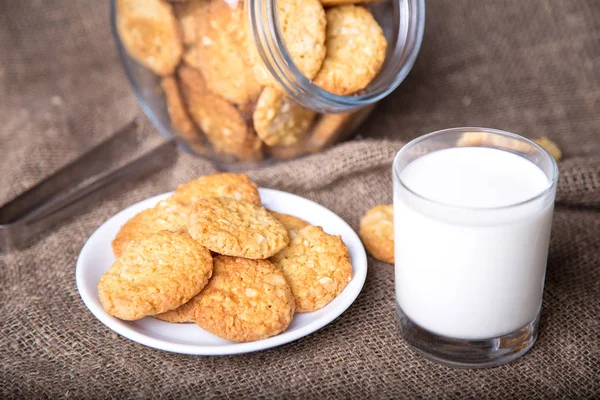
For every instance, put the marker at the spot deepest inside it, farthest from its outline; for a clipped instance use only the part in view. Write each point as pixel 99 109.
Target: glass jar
pixel 284 114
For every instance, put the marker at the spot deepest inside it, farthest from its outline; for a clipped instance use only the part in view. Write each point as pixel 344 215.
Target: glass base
pixel 467 353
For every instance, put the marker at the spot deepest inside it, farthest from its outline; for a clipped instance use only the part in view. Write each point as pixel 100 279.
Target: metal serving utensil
pixel 65 192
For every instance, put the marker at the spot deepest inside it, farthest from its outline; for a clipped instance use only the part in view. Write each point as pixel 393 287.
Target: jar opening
pixel 403 25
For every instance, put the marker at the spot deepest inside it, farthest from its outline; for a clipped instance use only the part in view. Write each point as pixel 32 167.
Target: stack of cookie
pixel 218 91
pixel 211 254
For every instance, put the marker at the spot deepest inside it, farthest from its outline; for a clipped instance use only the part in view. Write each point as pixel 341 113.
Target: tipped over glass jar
pixel 247 83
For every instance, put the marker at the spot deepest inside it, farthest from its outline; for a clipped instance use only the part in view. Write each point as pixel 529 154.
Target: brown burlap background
pixel 531 67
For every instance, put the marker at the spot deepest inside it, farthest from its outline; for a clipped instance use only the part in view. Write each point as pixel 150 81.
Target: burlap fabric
pixel 531 67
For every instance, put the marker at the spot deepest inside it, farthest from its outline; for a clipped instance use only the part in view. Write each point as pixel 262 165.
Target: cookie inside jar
pixel 224 71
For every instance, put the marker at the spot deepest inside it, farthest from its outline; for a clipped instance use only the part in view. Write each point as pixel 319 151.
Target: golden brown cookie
pixel 224 126
pixel 191 79
pixel 302 24
pixel 236 228
pixel 377 232
pixel 180 119
pixel 355 50
pixel 550 147
pixel 288 152
pixel 236 186
pixel 166 215
pixel 329 3
pixel 219 51
pixel 290 222
pixel 150 34
pixel 157 274
pixel 326 130
pixel 246 300
pixel 188 15
pixel 278 120
pixel 478 138
pixel 317 266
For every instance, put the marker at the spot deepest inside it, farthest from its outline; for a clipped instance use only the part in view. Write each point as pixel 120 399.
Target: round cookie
pixel 219 51
pixel 288 152
pixel 236 186
pixel 317 266
pixel 166 215
pixel 224 126
pixel 329 3
pixel 278 120
pixel 550 147
pixel 180 119
pixel 302 24
pixel 236 228
pixel 326 130
pixel 246 300
pixel 356 50
pixel 157 274
pixel 191 79
pixel 290 222
pixel 377 232
pixel 150 34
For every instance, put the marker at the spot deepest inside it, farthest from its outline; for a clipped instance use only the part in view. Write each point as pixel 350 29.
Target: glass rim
pixel 412 143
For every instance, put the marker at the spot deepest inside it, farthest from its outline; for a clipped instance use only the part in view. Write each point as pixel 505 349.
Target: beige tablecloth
pixel 531 67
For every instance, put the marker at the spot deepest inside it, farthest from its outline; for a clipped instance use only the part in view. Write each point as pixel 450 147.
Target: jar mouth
pixel 404 42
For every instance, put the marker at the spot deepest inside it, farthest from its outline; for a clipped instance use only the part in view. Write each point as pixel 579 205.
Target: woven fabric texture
pixel 530 67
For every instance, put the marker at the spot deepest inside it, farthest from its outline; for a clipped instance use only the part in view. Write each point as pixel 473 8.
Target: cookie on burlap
pixel 278 120
pixel 236 186
pixel 377 232
pixel 150 34
pixel 317 266
pixel 302 24
pixel 223 125
pixel 550 147
pixel 245 300
pixel 178 114
pixel 154 275
pixel 290 222
pixel 219 51
pixel 356 50
pixel 166 215
pixel 236 228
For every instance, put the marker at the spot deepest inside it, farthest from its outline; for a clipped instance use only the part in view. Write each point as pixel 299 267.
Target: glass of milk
pixel 472 216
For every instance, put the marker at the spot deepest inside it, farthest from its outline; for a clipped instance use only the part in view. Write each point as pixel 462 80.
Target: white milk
pixel 468 268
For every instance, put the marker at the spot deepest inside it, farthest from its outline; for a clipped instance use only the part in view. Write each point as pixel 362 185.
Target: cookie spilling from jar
pixel 211 254
pixel 219 94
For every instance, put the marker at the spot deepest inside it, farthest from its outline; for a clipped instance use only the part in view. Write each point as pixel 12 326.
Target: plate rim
pixel 120 327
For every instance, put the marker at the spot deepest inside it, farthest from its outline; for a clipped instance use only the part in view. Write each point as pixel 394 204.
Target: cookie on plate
pixel 377 232
pixel 236 186
pixel 356 50
pixel 290 222
pixel 278 120
pixel 236 228
pixel 154 275
pixel 245 300
pixel 302 24
pixel 166 215
pixel 317 266
pixel 219 51
pixel 150 33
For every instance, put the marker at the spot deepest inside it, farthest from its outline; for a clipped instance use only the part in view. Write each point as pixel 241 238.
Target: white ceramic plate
pixel 96 257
